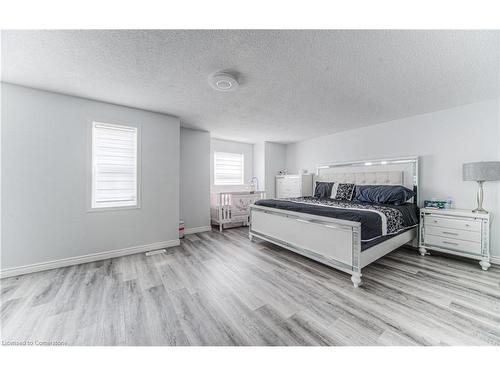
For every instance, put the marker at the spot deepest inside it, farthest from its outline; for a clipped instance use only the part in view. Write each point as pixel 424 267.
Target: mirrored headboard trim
pixel 404 169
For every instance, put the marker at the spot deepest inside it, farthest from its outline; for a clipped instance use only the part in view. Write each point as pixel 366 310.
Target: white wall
pixel 195 178
pixel 221 145
pixel 444 140
pixel 275 160
pixel 45 171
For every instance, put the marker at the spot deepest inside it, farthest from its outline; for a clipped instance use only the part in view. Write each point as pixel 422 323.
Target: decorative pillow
pixel 345 191
pixel 385 194
pixel 323 189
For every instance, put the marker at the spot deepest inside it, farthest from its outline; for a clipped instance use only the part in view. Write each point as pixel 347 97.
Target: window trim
pixel 242 168
pixel 90 168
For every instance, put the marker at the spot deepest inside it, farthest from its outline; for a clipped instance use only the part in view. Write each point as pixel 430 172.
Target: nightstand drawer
pixel 453 244
pixel 470 225
pixel 451 233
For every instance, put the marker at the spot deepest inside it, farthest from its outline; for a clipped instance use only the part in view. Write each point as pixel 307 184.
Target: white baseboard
pixel 15 271
pixel 495 260
pixel 197 230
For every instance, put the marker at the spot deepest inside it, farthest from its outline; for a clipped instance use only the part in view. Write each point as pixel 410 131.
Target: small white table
pixel 458 232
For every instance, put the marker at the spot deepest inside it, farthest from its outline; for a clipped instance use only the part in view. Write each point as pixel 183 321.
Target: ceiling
pixel 293 84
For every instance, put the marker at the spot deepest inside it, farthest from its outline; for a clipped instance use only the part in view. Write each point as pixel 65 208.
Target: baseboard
pixel 197 230
pixel 495 260
pixel 37 267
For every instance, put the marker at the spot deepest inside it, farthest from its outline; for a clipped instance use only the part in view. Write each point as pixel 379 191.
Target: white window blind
pixel 228 168
pixel 114 165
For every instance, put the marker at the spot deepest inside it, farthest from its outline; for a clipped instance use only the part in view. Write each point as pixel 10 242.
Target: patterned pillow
pixel 345 191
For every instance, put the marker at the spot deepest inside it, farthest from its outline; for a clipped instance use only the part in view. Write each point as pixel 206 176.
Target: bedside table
pixel 459 232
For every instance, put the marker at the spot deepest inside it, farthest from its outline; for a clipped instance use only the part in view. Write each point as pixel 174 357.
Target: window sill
pixel 104 209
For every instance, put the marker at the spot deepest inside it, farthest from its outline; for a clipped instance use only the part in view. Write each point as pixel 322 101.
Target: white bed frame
pixel 337 242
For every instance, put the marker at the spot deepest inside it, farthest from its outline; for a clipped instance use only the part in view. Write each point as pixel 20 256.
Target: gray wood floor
pixel 221 289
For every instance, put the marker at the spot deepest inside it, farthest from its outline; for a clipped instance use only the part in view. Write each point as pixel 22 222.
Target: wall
pixel 235 147
pixel 259 164
pixel 269 158
pixel 195 179
pixel 444 140
pixel 275 160
pixel 45 171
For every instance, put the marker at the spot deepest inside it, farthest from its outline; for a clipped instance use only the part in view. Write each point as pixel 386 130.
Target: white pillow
pixel 334 190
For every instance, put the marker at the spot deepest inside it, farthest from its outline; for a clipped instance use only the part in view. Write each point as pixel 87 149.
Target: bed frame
pixel 336 242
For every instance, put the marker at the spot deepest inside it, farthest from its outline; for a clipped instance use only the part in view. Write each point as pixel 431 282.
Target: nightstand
pixel 458 232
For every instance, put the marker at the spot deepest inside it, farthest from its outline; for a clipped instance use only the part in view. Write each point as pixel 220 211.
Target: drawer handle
pixel 454 234
pixel 450 243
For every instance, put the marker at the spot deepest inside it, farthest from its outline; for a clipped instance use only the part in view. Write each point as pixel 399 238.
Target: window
pixel 228 168
pixel 114 166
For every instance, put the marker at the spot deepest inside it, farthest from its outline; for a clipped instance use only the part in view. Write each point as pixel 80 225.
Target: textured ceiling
pixel 294 84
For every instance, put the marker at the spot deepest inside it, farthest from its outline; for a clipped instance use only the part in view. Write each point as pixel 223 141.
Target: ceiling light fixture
pixel 222 81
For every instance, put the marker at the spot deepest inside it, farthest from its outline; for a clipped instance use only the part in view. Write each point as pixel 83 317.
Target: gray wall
pixel 444 140
pixel 195 178
pixel 259 163
pixel 275 160
pixel 45 174
pixel 269 158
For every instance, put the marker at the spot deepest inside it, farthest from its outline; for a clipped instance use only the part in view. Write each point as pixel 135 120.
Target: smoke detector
pixel 223 81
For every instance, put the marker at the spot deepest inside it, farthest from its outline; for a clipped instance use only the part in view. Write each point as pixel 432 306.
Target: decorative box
pixel 435 204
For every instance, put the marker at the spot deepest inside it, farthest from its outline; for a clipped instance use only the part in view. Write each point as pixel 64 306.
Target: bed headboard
pixel 394 171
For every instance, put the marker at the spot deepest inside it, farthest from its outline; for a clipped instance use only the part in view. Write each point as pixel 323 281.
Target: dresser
pixel 294 185
pixel 458 232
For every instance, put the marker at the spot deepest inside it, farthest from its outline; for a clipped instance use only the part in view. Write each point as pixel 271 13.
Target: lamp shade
pixel 482 171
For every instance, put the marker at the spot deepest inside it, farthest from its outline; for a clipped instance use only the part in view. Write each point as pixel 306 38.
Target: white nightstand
pixel 459 232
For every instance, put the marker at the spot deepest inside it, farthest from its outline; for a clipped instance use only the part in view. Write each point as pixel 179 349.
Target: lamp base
pixel 480 209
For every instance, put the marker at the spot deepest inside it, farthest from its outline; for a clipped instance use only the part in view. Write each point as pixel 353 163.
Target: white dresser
pixel 459 232
pixel 294 185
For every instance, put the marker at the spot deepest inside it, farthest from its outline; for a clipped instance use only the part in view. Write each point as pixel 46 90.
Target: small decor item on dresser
pixel 441 204
pixel 457 232
pixel 480 172
pixel 435 203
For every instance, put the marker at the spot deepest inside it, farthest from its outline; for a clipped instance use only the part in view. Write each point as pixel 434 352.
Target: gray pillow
pixel 323 189
pixel 385 194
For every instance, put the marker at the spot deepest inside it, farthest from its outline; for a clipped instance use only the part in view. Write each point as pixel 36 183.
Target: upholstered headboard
pixel 366 178
pixel 395 171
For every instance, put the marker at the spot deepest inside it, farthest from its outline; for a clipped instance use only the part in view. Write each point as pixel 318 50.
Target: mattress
pixel 378 221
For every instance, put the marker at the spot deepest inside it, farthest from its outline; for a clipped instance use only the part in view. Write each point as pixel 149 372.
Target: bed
pixel 345 235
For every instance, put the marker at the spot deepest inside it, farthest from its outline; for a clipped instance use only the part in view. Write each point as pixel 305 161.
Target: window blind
pixel 228 168
pixel 114 165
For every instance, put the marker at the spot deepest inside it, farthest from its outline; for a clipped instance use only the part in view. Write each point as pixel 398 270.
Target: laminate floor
pixel 221 289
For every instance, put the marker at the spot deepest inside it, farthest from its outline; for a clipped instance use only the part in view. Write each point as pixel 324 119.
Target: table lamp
pixel 481 171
